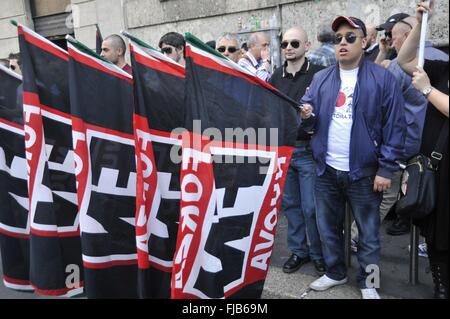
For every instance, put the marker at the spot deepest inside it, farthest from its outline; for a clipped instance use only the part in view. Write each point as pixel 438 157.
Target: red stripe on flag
pixel 55 233
pixel 12 234
pixel 109 264
pixel 96 65
pixel 43 44
pixel 159 65
pixel 16 281
pixel 211 64
pixel 56 292
pixel 30 98
pixel 12 124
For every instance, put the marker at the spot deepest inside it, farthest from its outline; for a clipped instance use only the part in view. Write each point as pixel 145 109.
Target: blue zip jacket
pixel 378 129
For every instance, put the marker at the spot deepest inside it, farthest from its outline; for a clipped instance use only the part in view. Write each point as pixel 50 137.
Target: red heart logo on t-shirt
pixel 341 99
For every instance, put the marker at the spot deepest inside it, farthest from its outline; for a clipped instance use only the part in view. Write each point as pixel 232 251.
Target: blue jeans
pixel 333 189
pixel 298 205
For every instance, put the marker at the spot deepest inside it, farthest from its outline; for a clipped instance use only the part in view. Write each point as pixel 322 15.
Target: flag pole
pixel 423 35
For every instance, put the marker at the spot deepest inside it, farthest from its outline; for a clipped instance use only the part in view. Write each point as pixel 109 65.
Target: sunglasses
pixel 350 37
pixel 295 44
pixel 166 50
pixel 388 34
pixel 230 49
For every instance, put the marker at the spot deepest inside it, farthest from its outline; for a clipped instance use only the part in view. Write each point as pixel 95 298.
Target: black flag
pixel 55 246
pixel 101 98
pixel 159 110
pixel 14 222
pixel 235 159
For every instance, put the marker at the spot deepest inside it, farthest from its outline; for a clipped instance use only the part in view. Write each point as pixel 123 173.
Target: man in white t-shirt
pixel 358 134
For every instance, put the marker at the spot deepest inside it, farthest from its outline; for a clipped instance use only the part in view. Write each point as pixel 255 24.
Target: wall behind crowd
pixel 208 19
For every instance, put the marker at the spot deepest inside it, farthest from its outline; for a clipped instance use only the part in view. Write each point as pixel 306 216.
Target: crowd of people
pixel 367 108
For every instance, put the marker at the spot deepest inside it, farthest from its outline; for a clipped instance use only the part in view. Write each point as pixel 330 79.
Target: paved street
pixel 394 278
pixel 394 273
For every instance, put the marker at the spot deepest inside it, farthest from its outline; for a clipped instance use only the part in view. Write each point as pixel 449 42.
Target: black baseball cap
pixel 352 21
pixel 391 21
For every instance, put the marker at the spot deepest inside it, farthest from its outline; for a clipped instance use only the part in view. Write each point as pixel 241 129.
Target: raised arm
pixel 407 57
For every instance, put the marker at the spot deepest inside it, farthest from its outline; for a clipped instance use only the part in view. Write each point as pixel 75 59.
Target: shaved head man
pixel 114 49
pixel 293 79
pixel 295 44
pixel 401 30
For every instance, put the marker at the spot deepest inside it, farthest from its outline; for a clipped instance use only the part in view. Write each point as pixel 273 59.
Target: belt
pixel 302 143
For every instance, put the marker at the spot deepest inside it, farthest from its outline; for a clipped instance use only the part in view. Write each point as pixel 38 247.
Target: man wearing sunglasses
pixel 257 58
pixel 173 45
pixel 228 45
pixel 358 134
pixel 298 204
pixel 386 41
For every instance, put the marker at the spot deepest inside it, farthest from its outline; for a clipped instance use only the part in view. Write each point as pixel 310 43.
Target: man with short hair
pixel 228 45
pixel 386 41
pixel 372 49
pixel 173 46
pixel 415 110
pixel 359 130
pixel 15 63
pixel 324 55
pixel 113 50
pixel 257 58
pixel 298 204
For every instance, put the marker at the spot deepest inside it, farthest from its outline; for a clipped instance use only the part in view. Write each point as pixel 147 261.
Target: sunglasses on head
pixel 295 44
pixel 350 37
pixel 223 49
pixel 166 50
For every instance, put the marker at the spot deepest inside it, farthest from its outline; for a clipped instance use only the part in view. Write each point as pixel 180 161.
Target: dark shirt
pixel 127 69
pixel 435 227
pixel 295 86
pixel 437 71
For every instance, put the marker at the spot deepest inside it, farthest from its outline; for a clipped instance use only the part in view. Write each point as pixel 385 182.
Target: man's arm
pixel 263 73
pixel 308 104
pixel 393 128
pixel 407 57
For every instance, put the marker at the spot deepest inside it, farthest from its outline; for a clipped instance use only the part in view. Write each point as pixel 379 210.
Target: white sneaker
pixel 370 293
pixel 423 251
pixel 324 283
pixel 422 248
pixel 354 246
